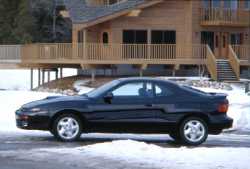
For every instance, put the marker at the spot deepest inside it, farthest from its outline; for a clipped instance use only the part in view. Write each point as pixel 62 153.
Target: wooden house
pixel 142 33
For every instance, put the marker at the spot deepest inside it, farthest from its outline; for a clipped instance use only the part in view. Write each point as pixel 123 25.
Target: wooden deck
pixel 10 56
pixel 224 17
pixel 92 55
pixel 113 54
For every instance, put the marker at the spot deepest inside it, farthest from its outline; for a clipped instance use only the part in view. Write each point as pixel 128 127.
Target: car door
pixel 165 106
pixel 129 109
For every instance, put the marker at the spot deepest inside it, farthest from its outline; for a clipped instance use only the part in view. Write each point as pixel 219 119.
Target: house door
pixel 221 45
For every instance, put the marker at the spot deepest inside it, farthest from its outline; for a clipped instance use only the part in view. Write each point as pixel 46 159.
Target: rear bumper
pixel 218 123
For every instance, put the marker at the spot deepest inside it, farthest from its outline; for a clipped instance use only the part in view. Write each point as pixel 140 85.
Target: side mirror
pixel 108 97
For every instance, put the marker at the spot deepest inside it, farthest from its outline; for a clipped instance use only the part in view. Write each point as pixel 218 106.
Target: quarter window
pixel 162 91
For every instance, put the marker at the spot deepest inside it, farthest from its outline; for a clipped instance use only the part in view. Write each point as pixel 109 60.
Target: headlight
pixel 38 111
pixel 35 110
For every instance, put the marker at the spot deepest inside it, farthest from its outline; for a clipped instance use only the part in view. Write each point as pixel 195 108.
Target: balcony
pixel 93 53
pixel 224 17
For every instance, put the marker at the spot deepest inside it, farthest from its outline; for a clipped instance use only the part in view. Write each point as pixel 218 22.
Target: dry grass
pixel 68 82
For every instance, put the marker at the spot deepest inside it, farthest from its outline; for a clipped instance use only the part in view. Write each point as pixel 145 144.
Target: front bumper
pixel 31 122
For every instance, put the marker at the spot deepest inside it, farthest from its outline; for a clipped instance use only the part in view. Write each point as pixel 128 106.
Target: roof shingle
pixel 80 12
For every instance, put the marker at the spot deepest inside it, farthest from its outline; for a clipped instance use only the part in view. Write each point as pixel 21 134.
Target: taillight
pixel 223 107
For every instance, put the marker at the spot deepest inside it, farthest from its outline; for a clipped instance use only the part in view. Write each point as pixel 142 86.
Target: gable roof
pixel 81 13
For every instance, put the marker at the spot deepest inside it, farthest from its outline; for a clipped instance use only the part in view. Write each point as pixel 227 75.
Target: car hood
pixel 54 99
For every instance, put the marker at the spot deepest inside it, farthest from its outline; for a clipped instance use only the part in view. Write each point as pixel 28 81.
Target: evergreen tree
pixel 16 22
pixel 43 13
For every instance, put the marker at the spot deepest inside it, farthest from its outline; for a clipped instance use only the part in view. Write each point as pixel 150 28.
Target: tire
pixel 67 128
pixel 193 131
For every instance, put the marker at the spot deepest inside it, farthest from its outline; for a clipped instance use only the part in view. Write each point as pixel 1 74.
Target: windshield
pixel 100 90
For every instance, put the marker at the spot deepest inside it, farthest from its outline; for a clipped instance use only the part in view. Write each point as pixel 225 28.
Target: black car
pixel 131 105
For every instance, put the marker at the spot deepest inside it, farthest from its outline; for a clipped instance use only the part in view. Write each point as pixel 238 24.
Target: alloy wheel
pixel 194 131
pixel 68 128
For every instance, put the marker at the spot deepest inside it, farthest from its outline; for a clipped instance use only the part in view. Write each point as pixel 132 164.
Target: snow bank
pixel 143 155
pixel 10 101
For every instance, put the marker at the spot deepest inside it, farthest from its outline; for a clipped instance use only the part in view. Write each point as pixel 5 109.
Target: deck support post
pixel 141 72
pixel 173 72
pixel 142 68
pixel 31 78
pixel 56 74
pixel 43 76
pixel 92 75
pixel 61 72
pixel 176 67
pixel 48 76
pixel 39 77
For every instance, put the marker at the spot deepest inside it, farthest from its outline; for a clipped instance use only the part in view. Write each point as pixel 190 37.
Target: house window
pixel 208 38
pixel 105 38
pixel 135 37
pixel 216 3
pixel 132 37
pixel 206 3
pixel 111 2
pixel 80 36
pixel 247 4
pixel 231 4
pixel 237 38
pixel 163 37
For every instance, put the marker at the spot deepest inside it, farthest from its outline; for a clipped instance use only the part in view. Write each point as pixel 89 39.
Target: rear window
pixel 191 89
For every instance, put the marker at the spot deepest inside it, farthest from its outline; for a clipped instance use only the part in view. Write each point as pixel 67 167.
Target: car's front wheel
pixel 67 127
pixel 193 131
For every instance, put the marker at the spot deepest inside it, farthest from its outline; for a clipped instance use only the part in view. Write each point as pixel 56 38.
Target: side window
pixel 138 89
pixel 162 91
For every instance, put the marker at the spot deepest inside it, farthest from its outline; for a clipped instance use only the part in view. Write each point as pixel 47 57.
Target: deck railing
pixel 234 62
pixel 211 64
pixel 112 52
pixel 220 16
pixel 10 53
pixel 242 51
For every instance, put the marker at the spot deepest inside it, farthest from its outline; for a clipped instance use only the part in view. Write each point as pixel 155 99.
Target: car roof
pixel 149 79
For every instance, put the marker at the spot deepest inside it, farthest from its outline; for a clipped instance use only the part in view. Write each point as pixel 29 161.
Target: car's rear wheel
pixel 67 127
pixel 193 131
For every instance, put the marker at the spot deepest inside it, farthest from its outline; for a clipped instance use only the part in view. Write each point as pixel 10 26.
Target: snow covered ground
pixel 135 154
pixel 10 101
pixel 138 153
